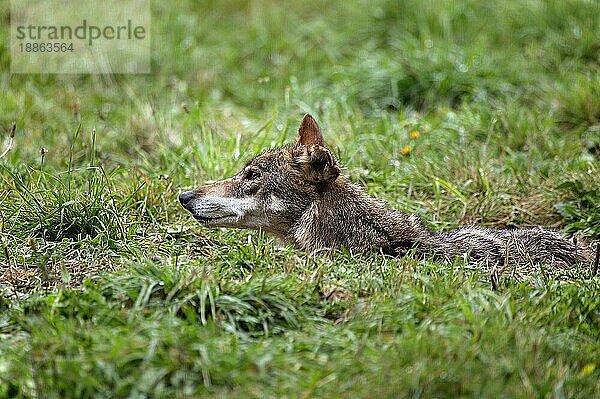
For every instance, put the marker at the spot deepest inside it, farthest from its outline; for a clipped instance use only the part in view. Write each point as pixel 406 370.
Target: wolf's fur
pixel 298 194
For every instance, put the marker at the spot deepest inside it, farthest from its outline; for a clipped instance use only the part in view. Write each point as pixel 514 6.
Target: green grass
pixel 109 289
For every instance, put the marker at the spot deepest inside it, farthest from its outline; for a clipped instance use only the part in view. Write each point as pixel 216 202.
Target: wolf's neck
pixel 346 216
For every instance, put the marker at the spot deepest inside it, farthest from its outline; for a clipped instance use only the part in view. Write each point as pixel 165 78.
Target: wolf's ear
pixel 316 164
pixel 309 132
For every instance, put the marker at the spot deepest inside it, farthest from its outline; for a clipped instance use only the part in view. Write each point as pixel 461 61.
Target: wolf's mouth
pixel 206 220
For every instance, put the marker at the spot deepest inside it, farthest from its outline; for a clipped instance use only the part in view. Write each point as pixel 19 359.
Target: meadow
pixel 462 112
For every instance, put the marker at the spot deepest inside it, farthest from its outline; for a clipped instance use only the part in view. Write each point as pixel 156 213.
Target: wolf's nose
pixel 186 197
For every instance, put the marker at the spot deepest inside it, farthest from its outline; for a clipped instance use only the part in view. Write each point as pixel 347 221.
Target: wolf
pixel 299 194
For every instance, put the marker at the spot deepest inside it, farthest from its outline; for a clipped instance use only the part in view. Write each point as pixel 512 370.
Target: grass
pixel 109 289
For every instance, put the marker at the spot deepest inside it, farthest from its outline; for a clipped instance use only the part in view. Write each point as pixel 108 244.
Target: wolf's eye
pixel 252 174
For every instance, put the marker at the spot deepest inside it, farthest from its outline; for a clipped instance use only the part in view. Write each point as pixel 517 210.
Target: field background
pixel 462 112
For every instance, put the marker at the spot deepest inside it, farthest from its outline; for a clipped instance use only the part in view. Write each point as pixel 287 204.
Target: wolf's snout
pixel 186 197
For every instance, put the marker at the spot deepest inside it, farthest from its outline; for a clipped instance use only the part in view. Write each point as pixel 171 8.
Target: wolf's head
pixel 273 190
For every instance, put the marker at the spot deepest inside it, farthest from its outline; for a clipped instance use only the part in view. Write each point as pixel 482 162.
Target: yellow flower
pixel 406 150
pixel 414 134
pixel 588 369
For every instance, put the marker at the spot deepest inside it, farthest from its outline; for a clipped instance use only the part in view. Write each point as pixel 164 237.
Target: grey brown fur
pixel 298 194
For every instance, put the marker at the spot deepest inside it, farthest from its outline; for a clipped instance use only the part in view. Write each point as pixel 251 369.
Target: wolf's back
pixel 524 249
